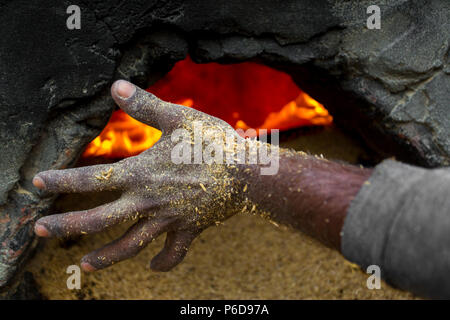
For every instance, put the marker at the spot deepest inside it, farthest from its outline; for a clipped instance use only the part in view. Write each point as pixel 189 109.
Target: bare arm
pixel 309 193
pixel 180 199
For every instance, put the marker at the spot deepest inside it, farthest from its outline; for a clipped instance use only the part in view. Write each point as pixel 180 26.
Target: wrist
pixel 308 193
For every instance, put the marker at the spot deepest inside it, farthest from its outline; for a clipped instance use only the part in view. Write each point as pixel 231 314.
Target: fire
pixel 122 137
pixel 303 111
pixel 246 95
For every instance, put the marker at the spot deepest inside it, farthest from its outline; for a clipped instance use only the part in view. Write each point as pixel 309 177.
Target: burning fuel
pixel 246 95
pixel 122 137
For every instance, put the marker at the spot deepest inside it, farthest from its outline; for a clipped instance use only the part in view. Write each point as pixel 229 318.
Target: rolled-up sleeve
pixel 400 221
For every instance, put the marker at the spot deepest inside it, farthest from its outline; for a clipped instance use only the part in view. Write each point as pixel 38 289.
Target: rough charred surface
pixel 389 86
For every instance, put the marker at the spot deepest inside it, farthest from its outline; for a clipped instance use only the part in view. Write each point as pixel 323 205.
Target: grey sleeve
pixel 400 221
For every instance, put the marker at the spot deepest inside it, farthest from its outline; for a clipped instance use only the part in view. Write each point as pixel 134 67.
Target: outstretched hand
pixel 162 196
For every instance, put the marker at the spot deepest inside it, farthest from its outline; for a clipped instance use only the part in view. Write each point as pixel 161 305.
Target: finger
pixel 84 179
pixel 174 251
pixel 146 107
pixel 92 220
pixel 130 244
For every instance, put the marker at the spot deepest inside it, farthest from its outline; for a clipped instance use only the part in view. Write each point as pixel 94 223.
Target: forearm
pixel 396 216
pixel 309 193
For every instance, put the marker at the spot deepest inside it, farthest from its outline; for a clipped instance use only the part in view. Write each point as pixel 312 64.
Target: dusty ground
pixel 247 258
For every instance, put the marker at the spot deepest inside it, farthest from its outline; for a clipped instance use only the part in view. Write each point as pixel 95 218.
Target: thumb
pixel 146 107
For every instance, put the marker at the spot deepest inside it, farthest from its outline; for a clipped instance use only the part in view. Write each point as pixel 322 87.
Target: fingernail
pixel 87 267
pixel 38 182
pixel 40 230
pixel 124 89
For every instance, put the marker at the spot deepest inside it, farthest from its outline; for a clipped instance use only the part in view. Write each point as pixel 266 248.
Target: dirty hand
pixel 162 196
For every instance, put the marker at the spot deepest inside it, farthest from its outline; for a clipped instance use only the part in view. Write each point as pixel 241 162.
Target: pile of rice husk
pixel 245 258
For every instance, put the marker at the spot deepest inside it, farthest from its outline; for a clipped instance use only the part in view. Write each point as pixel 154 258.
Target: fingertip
pixel 86 266
pixel 174 251
pixel 158 267
pixel 41 231
pixel 164 262
pixel 123 89
pixel 38 182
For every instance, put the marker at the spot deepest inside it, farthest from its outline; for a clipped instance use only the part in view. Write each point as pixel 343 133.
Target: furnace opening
pixel 246 95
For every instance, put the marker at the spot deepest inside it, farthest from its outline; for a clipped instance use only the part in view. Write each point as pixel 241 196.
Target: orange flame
pixel 303 111
pixel 246 95
pixel 122 137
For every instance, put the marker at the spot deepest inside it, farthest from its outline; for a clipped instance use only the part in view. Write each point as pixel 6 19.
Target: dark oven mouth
pixel 250 96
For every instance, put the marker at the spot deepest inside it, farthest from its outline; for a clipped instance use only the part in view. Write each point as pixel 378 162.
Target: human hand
pixel 180 199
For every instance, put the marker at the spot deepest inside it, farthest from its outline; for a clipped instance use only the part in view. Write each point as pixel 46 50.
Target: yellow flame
pixel 302 111
pixel 124 136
